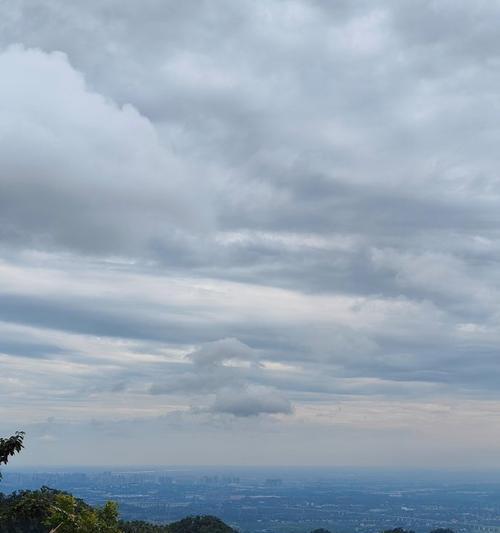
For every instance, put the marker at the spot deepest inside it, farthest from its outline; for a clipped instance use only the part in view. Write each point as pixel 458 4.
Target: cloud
pixel 79 172
pixel 373 431
pixel 221 351
pixel 231 371
pixel 251 401
pixel 301 212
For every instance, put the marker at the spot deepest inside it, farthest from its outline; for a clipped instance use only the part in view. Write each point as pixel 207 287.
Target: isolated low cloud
pixel 250 401
pixel 232 371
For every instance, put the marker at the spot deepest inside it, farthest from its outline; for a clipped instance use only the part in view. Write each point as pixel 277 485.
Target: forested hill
pixel 47 510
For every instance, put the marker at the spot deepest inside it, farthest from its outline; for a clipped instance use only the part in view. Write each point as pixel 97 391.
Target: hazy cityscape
pixel 286 500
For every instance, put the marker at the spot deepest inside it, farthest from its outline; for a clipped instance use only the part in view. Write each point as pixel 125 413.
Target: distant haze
pixel 252 233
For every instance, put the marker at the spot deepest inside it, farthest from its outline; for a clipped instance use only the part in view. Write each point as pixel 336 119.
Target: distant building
pixel 273 482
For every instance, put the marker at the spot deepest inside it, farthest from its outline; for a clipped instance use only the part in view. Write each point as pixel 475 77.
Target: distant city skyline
pixel 251 233
pixel 255 499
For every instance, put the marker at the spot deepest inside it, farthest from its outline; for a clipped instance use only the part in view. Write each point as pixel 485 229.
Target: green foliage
pixel 10 446
pixel 138 526
pixel 46 510
pixel 43 510
pixel 25 511
pixel 69 515
pixel 200 524
pixel 191 524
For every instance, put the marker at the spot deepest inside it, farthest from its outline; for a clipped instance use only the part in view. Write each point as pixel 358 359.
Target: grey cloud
pixel 333 163
pixel 192 381
pixel 250 402
pixel 236 388
pixel 217 352
pixel 410 343
pixel 93 176
pixel 354 432
pixel 85 317
pixel 29 349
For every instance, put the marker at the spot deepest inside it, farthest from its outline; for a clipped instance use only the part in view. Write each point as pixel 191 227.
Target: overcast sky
pixel 251 232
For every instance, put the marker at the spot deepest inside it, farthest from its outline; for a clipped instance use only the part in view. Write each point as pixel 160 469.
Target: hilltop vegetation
pixel 52 511
pixel 46 510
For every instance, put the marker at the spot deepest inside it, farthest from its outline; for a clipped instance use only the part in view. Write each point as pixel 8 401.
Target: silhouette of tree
pixel 398 530
pixel 10 446
pixel 200 524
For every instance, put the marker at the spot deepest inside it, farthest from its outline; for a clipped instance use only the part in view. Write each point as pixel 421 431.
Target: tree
pixel 139 526
pixel 10 446
pixel 69 515
pixel 25 511
pixel 200 524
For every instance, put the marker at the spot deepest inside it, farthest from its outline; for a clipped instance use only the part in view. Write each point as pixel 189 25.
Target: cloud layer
pixel 245 214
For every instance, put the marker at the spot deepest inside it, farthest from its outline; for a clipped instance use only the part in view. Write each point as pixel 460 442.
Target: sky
pixel 250 232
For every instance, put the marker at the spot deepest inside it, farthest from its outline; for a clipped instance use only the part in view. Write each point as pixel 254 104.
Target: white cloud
pixel 78 171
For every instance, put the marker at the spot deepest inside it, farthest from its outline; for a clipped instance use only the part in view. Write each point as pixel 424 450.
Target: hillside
pixel 48 510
